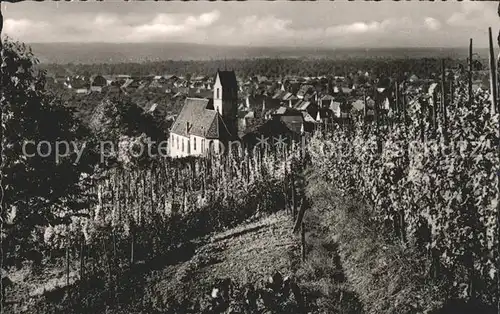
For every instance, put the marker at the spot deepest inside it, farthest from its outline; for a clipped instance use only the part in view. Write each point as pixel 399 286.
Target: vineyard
pixel 149 216
pixel 427 175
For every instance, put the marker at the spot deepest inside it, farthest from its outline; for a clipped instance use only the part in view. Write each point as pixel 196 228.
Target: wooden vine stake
pixel 294 195
pixel 470 73
pixel 493 76
pixel 423 109
pixel 434 114
pixel 443 101
pixel 404 109
pixel 303 241
pixel 82 258
pixel 365 110
pixel 378 122
pixel 300 216
pixel 132 240
pixel 396 96
pixel 67 261
pixel 452 90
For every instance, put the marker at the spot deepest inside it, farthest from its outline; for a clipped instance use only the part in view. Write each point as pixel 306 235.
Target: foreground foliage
pixel 37 190
pixel 429 188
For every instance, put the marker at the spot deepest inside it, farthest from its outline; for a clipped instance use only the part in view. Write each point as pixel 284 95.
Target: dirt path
pixel 247 253
pixel 244 254
pixel 322 273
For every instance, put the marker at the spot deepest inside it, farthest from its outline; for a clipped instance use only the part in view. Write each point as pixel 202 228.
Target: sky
pixel 322 24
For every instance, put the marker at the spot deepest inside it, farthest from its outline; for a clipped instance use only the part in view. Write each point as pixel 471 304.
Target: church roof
pixel 294 123
pixel 307 117
pixel 302 105
pixel 198 118
pixel 269 128
pixel 228 79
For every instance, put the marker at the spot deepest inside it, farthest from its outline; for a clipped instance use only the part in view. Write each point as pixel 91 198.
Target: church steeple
pixel 226 98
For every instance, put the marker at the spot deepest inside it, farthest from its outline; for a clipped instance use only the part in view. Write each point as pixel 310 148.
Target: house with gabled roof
pixel 290 100
pixel 307 117
pixel 207 124
pixel 308 106
pixel 127 83
pixel 304 90
pixel 279 94
pixel 270 129
pixel 325 115
pixel 97 82
pixel 80 86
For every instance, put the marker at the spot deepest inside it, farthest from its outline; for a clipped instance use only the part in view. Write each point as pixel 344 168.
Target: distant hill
pixel 88 53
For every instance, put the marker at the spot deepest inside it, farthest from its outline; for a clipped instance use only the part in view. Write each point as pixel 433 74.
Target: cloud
pixel 22 27
pixel 204 20
pixel 473 14
pixel 105 20
pixel 354 28
pixel 268 24
pixel 390 24
pixel 169 25
pixel 432 24
pixel 251 29
pixel 111 28
pixel 273 30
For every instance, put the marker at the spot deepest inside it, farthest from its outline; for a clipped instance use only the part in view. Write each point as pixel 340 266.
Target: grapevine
pixel 445 185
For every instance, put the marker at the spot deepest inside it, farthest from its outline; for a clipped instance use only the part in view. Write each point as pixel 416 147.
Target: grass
pixel 246 253
pixel 387 277
pixel 322 272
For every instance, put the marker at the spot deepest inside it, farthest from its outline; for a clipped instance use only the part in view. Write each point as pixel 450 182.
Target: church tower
pixel 226 99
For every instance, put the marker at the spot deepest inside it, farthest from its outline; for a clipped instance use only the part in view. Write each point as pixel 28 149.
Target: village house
pixel 97 83
pixel 307 106
pixel 289 99
pixel 304 90
pixel 325 115
pixel 270 130
pixel 244 118
pixel 157 83
pixel 78 84
pixel 207 124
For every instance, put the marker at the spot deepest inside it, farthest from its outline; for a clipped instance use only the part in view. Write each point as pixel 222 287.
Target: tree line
pixel 271 67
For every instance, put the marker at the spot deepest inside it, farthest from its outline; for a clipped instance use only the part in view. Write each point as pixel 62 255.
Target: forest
pixel 269 67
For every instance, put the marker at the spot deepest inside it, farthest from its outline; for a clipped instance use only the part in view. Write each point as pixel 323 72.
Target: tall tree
pixel 40 187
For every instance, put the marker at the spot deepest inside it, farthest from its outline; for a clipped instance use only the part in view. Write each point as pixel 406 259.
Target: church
pixel 207 124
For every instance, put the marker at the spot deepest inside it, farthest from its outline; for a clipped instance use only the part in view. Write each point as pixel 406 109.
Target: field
pixel 246 253
pixel 117 53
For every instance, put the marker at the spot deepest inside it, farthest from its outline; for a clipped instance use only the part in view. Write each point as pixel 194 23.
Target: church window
pixel 217 93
